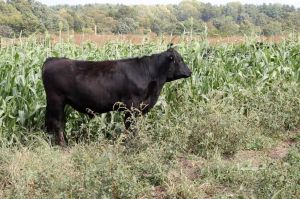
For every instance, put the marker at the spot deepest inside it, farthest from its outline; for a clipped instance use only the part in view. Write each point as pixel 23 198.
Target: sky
pixel 296 3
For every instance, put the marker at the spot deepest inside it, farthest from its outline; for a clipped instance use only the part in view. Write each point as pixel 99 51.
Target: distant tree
pixel 144 17
pixel 67 18
pixel 6 31
pixel 272 28
pixel 9 15
pixel 125 11
pixel 192 26
pixel 155 27
pixel 247 28
pixel 272 10
pixel 261 19
pixel 125 26
pixel 187 9
pixel 168 24
pixel 208 12
pixel 78 23
pixel 30 23
pixel 233 10
pixel 229 27
pixel 189 16
pixel 48 18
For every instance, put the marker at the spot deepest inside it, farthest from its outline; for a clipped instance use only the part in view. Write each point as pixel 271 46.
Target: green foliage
pixel 9 15
pixel 191 17
pixel 125 26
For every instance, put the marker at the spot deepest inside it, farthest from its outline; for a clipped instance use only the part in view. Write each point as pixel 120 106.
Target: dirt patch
pixel 159 192
pixel 281 150
pixel 190 167
pixel 254 158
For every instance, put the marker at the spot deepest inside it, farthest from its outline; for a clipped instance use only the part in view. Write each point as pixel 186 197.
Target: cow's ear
pixel 170 45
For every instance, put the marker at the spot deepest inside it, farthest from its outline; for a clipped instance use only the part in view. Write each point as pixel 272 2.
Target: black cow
pixel 98 85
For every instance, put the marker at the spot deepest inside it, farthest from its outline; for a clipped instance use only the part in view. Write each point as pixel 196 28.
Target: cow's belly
pixel 88 104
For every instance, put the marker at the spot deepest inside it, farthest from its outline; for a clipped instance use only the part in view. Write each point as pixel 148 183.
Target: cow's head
pixel 177 68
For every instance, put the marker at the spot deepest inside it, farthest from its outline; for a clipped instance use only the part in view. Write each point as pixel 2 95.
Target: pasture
pixel 229 131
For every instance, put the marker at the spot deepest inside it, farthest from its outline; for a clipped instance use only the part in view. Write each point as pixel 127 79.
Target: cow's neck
pixel 156 68
pixel 162 68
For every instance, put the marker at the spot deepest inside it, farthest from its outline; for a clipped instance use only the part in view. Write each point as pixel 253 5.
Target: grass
pixel 229 131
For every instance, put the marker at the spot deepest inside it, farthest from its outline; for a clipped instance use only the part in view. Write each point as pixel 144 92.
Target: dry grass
pixel 139 39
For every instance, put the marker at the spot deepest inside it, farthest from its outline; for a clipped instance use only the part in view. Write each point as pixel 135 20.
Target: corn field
pixel 241 99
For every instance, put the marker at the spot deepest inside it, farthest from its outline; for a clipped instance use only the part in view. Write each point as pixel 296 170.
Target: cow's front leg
pixel 130 122
pixel 55 119
pixel 127 120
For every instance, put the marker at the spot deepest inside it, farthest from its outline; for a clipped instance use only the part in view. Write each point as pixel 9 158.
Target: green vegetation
pixel 229 131
pixel 189 16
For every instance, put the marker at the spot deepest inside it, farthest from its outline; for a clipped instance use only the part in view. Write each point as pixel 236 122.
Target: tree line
pixel 189 16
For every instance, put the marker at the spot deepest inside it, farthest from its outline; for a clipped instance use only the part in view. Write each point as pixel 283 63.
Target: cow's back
pixel 85 84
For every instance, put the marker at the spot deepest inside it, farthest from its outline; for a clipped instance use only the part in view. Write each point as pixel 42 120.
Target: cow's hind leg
pixel 55 118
